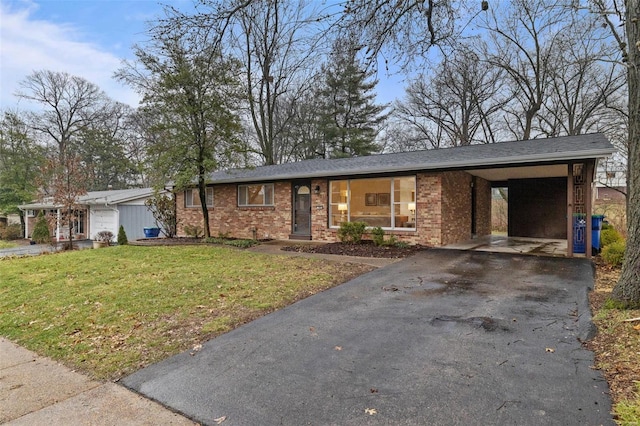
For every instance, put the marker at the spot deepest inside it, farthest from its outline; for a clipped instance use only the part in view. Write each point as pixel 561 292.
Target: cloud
pixel 29 44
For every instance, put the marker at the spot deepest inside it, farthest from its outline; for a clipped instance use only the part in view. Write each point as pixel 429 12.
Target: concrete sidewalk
pixel 38 391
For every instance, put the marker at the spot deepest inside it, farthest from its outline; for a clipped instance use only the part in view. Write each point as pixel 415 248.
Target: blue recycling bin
pixel 596 226
pixel 151 232
pixel 579 232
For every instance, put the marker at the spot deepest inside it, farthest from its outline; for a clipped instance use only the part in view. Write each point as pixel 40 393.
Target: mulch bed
pixel 364 249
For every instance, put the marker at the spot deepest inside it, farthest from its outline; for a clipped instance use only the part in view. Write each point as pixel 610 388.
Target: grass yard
pixel 7 244
pixel 112 311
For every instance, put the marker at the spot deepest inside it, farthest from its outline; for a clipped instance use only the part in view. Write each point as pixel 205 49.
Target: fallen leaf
pixel 338 348
pixel 551 350
pixel 636 327
pixel 195 349
pixel 371 411
pixel 220 419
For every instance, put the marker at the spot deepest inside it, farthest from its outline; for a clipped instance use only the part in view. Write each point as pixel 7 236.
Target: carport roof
pixel 475 157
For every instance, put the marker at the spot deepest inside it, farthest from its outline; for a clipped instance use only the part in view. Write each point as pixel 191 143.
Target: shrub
pixel 11 232
pixel 351 232
pixel 608 236
pixel 613 253
pixel 193 231
pixel 378 236
pixel 105 236
pixel 41 233
pixel 122 237
pixel 163 210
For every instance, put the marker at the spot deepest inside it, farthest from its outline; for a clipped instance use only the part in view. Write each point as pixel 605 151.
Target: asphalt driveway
pixel 445 337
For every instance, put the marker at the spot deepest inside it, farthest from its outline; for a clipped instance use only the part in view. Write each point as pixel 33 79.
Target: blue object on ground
pixel 596 226
pixel 151 232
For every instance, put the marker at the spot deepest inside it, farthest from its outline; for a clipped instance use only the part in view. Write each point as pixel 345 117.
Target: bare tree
pixel 587 84
pixel 523 39
pixel 70 104
pixel 457 104
pixel 277 52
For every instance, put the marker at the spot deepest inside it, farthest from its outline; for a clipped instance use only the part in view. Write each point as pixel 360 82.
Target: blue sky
pixel 88 38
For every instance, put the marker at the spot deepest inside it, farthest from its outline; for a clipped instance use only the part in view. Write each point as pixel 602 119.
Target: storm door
pixel 301 208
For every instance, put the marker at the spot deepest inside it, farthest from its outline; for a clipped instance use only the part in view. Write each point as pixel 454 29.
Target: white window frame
pixel 190 193
pixel 245 187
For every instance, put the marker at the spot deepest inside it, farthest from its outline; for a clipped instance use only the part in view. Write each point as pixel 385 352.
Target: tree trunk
pixel 627 290
pixel 202 193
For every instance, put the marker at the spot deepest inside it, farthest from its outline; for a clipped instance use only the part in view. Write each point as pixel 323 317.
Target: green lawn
pixel 111 311
pixel 7 244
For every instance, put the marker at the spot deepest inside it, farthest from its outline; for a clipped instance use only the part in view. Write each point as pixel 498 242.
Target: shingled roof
pixel 503 154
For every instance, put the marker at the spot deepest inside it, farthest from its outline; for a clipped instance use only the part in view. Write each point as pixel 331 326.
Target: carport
pixel 544 197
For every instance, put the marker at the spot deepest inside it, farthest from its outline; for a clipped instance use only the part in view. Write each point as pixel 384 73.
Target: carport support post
pixel 570 210
pixel 588 189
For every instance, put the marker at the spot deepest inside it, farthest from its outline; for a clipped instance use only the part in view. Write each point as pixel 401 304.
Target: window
pixel 192 198
pixel 384 202
pixel 255 195
pixel 78 222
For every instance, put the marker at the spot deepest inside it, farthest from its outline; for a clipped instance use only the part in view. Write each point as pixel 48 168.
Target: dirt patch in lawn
pixel 617 343
pixel 364 249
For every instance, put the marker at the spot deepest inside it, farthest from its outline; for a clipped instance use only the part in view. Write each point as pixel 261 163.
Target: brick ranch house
pixel 432 197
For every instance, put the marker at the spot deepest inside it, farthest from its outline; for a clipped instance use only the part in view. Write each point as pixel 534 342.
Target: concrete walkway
pixel 37 249
pixel 38 391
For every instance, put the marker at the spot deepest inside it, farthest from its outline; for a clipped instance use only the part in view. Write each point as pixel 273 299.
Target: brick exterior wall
pixel 483 207
pixel 443 212
pixel 456 207
pixel 225 217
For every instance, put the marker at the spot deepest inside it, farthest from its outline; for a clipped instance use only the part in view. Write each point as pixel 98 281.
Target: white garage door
pixel 103 220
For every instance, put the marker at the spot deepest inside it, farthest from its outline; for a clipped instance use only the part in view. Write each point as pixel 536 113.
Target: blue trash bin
pixel 151 232
pixel 596 226
pixel 579 232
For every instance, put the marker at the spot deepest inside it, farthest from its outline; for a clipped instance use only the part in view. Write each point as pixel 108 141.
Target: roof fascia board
pixel 460 165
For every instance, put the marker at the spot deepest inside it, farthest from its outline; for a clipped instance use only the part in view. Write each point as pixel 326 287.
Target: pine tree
pixel 122 237
pixel 41 233
pixel 349 119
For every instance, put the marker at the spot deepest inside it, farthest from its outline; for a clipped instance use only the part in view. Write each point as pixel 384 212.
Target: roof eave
pixel 490 163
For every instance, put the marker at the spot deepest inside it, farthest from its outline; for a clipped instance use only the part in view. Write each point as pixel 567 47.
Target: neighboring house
pixel 615 194
pixel 100 211
pixel 433 197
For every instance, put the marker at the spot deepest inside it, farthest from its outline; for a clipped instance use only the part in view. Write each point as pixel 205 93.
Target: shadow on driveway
pixel 444 337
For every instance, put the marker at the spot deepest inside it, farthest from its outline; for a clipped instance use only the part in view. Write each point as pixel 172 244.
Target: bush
pixel 351 232
pixel 11 232
pixel 609 236
pixel 193 231
pixel 122 237
pixel 378 236
pixel 105 236
pixel 613 253
pixel 41 233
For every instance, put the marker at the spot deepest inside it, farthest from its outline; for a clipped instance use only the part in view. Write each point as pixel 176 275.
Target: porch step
pixel 300 237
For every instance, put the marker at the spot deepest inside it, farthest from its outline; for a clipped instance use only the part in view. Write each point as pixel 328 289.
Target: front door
pixel 301 208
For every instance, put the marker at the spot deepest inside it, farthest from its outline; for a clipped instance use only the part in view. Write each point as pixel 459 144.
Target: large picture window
pixel 192 198
pixel 385 202
pixel 255 195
